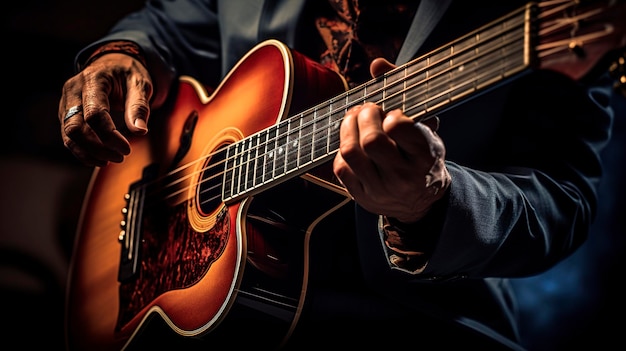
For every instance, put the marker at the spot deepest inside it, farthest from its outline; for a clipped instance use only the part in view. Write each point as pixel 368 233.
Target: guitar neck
pixel 421 88
pixel 560 35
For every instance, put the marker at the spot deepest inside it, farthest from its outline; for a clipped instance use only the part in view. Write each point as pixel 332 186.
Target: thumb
pixel 137 111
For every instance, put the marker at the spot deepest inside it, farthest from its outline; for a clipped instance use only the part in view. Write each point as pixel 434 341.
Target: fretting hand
pixel 390 164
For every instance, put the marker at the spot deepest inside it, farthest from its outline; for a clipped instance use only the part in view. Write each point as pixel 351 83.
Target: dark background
pixel 578 304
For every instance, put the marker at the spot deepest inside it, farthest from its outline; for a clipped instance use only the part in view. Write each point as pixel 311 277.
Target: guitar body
pixel 154 242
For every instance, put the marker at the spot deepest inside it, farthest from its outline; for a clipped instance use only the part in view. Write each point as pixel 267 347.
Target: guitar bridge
pixel 131 225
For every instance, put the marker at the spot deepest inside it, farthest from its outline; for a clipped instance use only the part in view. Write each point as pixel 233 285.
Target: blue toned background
pixel 579 303
pixel 574 305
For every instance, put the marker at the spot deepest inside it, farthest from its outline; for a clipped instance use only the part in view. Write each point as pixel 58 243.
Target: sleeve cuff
pixel 408 246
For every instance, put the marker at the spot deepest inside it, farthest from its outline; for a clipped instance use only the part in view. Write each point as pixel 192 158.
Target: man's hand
pixel 390 164
pixel 108 98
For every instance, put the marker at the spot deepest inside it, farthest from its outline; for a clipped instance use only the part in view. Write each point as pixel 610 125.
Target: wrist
pixel 418 237
pixel 121 47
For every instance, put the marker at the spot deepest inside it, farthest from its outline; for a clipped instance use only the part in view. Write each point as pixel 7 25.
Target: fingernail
pixel 141 124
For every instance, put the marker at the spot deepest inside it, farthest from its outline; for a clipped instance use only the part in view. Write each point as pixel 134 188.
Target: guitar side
pixel 149 243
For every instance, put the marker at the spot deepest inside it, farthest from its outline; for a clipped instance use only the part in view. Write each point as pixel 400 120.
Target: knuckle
pixel 72 130
pixel 144 85
pixel 141 107
pixel 349 151
pixel 372 140
pixel 95 116
pixel 72 84
pixel 370 108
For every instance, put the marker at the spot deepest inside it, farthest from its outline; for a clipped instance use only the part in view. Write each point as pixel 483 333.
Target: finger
pixel 380 66
pixel 96 112
pixel 378 146
pixel 85 157
pixel 352 134
pixel 349 149
pixel 71 99
pixel 346 176
pixel 417 141
pixel 81 140
pixel 361 135
pixel 72 111
pixel 77 136
pixel 137 109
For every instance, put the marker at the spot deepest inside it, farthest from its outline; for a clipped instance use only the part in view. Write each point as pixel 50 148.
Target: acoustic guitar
pixel 192 228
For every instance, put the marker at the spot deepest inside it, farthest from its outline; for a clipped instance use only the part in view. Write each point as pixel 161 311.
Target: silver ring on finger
pixel 72 111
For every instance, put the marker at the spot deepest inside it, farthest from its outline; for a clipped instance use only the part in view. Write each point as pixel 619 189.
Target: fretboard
pixel 421 88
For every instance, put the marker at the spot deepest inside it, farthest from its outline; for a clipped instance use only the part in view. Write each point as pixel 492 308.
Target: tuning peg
pixel 576 47
pixel 618 71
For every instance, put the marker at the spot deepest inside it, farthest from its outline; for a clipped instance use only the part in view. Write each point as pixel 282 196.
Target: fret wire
pixel 306 138
pixel 266 140
pixel 270 155
pixel 274 152
pixel 333 142
pixel 266 155
pixel 304 142
pixel 320 131
pixel 393 93
pixel 238 165
pixel 292 147
pixel 385 91
pixel 233 168
pixel 251 164
pixel 243 165
pixel 259 156
pixel 228 172
pixel 284 147
pixel 281 139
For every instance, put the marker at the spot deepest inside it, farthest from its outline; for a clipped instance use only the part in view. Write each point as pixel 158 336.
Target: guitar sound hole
pixel 210 187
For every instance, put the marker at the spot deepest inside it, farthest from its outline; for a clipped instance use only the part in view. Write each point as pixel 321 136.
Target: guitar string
pixel 344 108
pixel 557 23
pixel 430 67
pixel 295 150
pixel 541 51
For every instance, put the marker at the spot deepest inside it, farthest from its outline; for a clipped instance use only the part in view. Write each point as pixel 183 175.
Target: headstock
pixel 582 38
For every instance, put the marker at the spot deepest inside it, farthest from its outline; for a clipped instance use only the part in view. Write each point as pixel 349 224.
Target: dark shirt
pixel 350 32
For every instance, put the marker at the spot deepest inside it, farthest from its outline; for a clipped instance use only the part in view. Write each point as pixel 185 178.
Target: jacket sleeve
pixel 533 203
pixel 178 37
